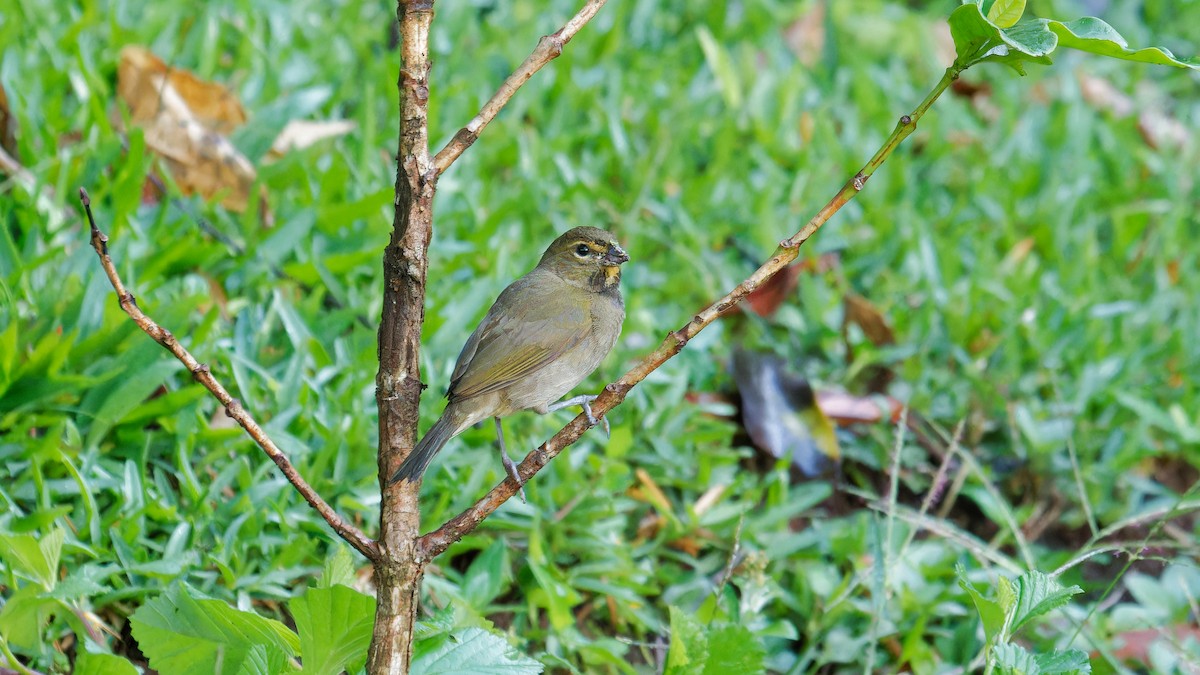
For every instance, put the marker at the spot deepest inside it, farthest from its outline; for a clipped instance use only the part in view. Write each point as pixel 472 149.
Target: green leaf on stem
pixel 1006 13
pixel 183 634
pixel 1092 35
pixel 989 610
pixel 1011 659
pixel 1036 594
pixel 689 646
pixel 103 664
pixel 470 651
pixel 717 649
pixel 979 39
pixel 335 628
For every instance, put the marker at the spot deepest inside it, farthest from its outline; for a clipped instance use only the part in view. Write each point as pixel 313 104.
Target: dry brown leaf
pixel 866 316
pixel 653 493
pixel 8 126
pixel 806 36
pixel 806 126
pixel 299 134
pixel 185 119
pixel 1100 94
pixel 860 312
pixel 1161 131
pixel 943 42
pixel 709 499
pixel 689 545
pixel 648 527
pixel 209 103
pixel 767 298
pixel 1017 254
pixel 846 409
pixel 10 165
pixel 1136 645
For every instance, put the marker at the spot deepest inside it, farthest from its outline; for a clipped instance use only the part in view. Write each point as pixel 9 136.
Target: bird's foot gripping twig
pixel 583 401
pixel 510 467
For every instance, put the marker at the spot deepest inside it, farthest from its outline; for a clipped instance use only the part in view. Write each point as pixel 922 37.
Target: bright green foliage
pixel 36 559
pixel 999 38
pixel 335 628
pixel 103 664
pixel 183 634
pixel 470 651
pixel 1019 601
pixel 1012 659
pixel 1032 249
pixel 1005 13
pixel 714 649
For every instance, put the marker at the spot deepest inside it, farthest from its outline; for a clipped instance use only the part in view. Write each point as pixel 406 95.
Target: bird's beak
pixel 615 255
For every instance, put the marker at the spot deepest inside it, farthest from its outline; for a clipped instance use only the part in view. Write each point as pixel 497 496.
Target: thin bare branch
pixel 549 47
pixel 233 407
pixel 437 541
pixel 614 394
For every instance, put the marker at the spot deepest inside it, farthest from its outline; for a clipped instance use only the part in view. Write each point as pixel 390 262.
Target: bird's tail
pixel 418 460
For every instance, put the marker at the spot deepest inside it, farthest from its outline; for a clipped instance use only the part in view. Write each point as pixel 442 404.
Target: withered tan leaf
pixel 806 35
pixel 299 134
pixel 185 120
pixel 209 103
pixel 8 125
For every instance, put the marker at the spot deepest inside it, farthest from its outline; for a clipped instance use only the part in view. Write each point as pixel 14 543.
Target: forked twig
pixel 233 407
pixel 439 540
pixel 549 47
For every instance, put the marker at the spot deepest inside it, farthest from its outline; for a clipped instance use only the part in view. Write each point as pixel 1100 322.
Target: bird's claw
pixel 583 401
pixel 603 423
pixel 510 467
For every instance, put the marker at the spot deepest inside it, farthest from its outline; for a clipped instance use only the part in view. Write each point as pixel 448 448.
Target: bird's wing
pixel 540 320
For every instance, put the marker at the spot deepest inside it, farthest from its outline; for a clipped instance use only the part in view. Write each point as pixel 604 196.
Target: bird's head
pixel 587 257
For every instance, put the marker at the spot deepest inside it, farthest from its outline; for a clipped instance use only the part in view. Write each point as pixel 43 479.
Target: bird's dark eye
pixel 583 250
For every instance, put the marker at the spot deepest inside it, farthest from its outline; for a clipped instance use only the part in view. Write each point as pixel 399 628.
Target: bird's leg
pixel 509 466
pixel 584 401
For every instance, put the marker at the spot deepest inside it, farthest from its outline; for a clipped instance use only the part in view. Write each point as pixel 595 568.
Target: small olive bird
pixel 545 333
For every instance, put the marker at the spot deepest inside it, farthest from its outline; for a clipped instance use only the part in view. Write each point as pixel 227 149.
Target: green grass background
pixel 1086 344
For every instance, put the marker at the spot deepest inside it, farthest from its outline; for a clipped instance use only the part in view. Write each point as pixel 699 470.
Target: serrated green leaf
pixel 688 651
pixel 989 611
pixel 339 569
pixel 81 582
pixel 1069 662
pixel 335 628
pixel 103 664
pixel 1006 596
pixel 1010 659
pixel 182 635
pixel 734 650
pixel 1006 13
pixel 470 651
pixel 441 623
pixel 1037 594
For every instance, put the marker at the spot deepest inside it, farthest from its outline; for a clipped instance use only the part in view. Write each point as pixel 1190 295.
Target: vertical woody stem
pixel 399 568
